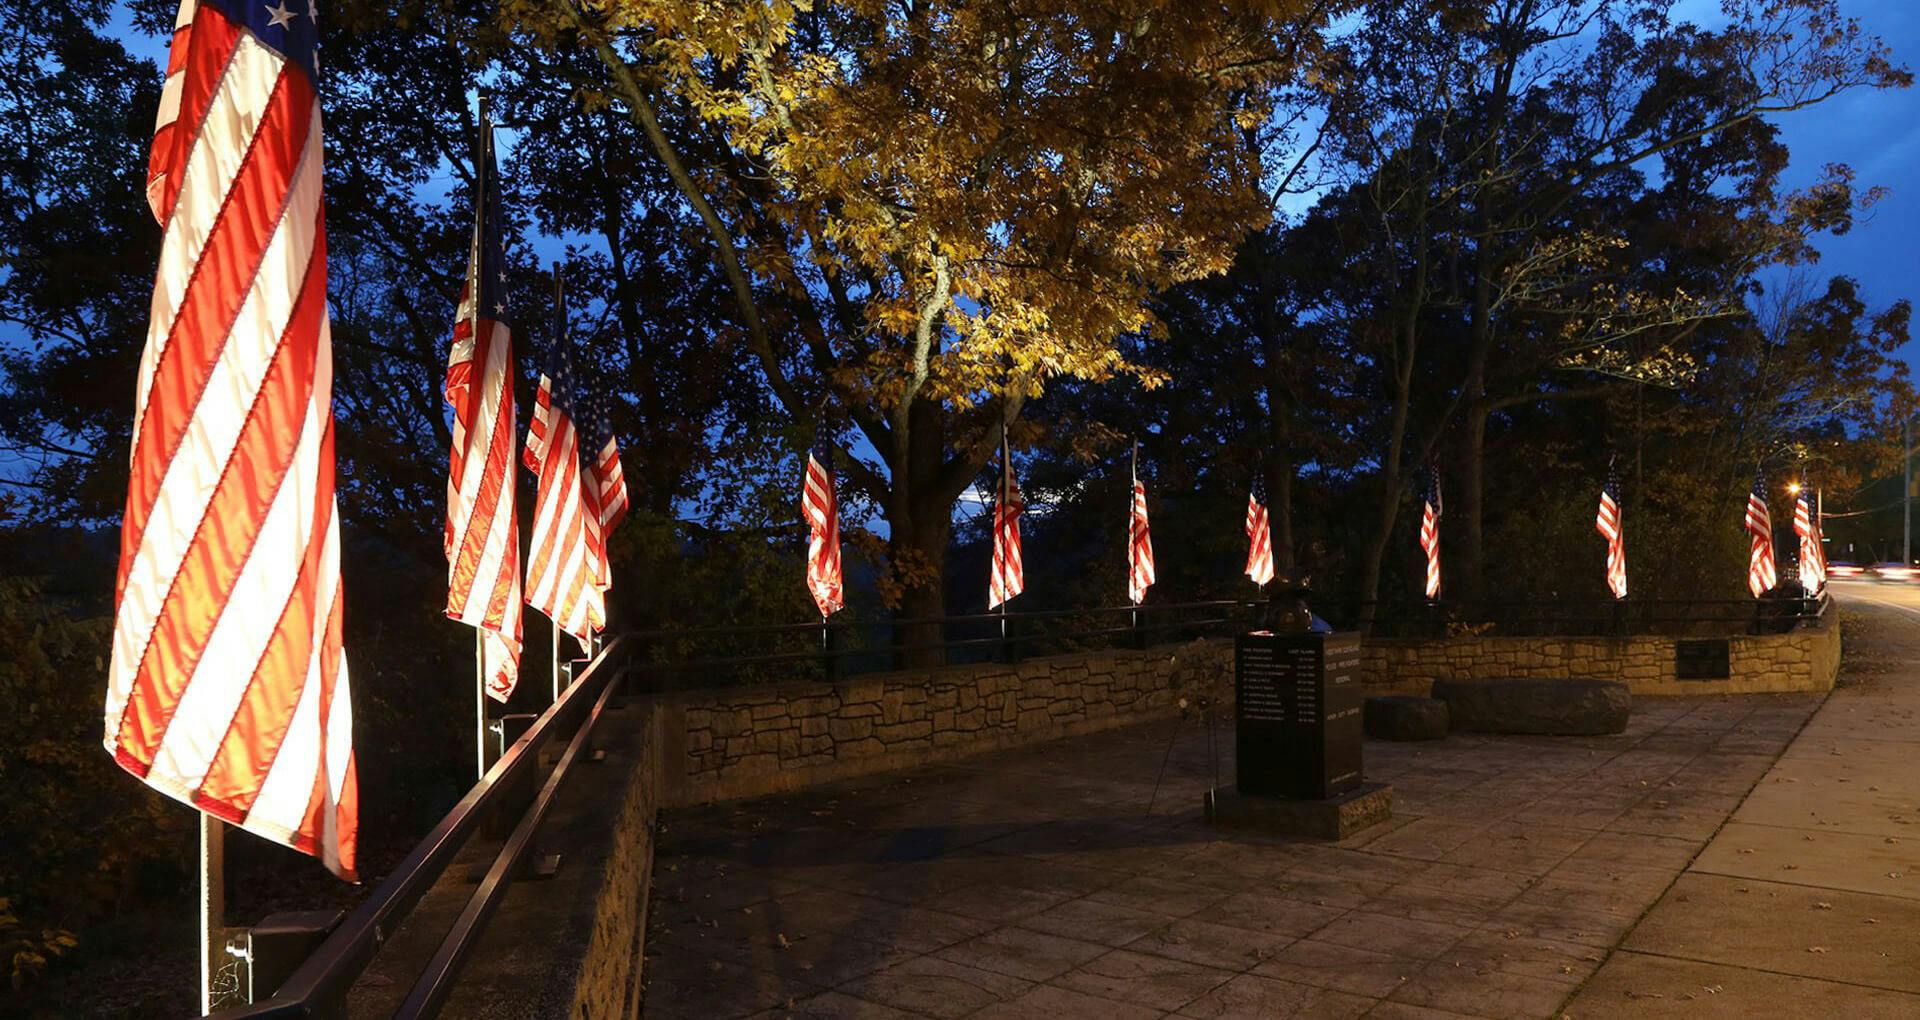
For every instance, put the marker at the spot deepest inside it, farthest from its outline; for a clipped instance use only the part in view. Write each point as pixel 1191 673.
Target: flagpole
pixel 1006 472
pixel 480 186
pixel 213 901
pixel 559 327
pixel 1133 471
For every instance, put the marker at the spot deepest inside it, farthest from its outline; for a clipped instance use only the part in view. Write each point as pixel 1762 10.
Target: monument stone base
pixel 1332 818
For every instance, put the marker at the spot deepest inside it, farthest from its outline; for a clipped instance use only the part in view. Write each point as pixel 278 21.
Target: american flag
pixel 1430 533
pixel 1139 544
pixel 605 470
pixel 483 530
pixel 1009 575
pixel 1813 559
pixel 820 505
pixel 1259 534
pixel 228 686
pixel 1609 526
pixel 567 574
pixel 1761 575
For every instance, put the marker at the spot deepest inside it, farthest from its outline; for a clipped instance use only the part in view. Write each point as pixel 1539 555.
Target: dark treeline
pixel 1337 244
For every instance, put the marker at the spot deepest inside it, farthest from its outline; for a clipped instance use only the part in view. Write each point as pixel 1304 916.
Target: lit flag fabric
pixel 1430 533
pixel 820 505
pixel 1813 559
pixel 1259 534
pixel 605 471
pixel 567 574
pixel 1610 528
pixel 483 530
pixel 1761 573
pixel 1139 545
pixel 1009 575
pixel 228 684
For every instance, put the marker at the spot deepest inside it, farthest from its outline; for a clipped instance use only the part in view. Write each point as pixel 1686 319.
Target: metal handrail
pixel 1015 634
pixel 430 992
pixel 814 627
pixel 319 986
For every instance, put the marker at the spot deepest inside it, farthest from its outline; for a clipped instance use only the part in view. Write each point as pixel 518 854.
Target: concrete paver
pixel 1037 883
pixel 1807 901
pixel 1724 857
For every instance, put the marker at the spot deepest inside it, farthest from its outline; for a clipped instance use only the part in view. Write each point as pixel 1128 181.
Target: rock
pixel 1399 717
pixel 1558 707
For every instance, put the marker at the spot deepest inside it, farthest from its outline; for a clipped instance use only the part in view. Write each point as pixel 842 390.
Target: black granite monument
pixel 1298 729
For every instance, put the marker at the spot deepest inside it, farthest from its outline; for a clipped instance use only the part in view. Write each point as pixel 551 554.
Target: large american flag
pixel 483 530
pixel 1761 573
pixel 820 505
pixel 1813 559
pixel 228 685
pixel 1009 575
pixel 1430 533
pixel 567 574
pixel 1610 528
pixel 1259 534
pixel 1139 544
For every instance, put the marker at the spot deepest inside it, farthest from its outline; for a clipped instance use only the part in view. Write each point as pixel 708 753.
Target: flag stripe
pixel 820 505
pixel 248 478
pixel 1140 572
pixel 260 721
pixel 229 572
pixel 237 242
pixel 220 591
pixel 1259 540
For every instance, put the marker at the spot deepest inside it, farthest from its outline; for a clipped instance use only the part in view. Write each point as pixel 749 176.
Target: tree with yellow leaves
pixel 925 210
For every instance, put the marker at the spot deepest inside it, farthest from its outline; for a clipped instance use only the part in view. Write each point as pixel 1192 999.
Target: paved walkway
pixel 1807 902
pixel 1036 884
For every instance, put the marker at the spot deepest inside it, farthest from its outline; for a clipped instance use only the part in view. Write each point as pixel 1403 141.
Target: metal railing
pixel 676 658
pixel 318 987
pixel 1629 617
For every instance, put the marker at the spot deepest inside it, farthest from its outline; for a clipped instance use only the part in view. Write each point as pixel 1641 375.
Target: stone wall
pixel 753 741
pixel 1804 659
pixel 607 984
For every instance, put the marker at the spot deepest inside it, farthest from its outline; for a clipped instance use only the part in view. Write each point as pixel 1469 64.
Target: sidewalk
pixel 1035 883
pixel 1807 901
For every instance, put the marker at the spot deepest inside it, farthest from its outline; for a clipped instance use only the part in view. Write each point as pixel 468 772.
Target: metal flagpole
pixel 559 327
pixel 213 901
pixel 1133 486
pixel 1906 492
pixel 1006 472
pixel 480 186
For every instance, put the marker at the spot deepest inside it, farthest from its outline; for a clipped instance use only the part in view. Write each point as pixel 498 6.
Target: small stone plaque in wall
pixel 1709 659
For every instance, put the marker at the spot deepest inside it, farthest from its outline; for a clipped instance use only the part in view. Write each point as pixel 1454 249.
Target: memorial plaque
pixel 1710 659
pixel 1297 720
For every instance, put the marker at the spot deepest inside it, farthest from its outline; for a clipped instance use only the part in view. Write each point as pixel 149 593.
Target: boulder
pixel 1555 707
pixel 1400 717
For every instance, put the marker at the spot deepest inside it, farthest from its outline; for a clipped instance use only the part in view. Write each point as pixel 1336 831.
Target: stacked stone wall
pixel 1804 659
pixel 752 741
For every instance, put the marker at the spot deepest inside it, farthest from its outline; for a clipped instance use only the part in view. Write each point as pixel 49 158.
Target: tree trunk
pixel 1406 348
pixel 1280 463
pixel 1470 504
pixel 920 528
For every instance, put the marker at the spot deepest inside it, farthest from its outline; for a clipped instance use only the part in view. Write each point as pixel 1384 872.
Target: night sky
pixel 1878 134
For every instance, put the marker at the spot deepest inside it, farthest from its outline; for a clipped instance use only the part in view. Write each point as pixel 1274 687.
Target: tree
pixel 925 212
